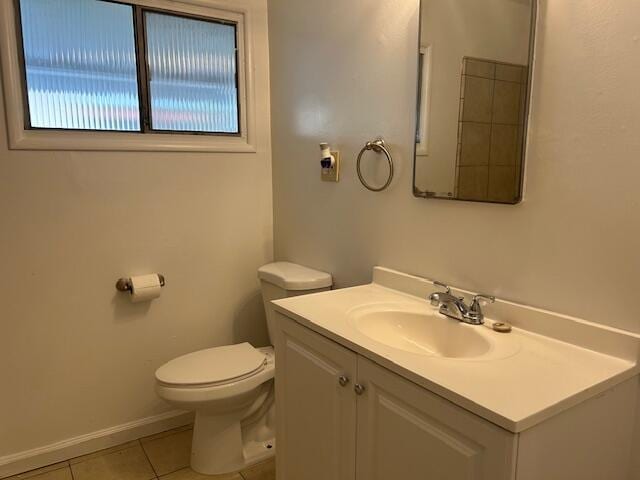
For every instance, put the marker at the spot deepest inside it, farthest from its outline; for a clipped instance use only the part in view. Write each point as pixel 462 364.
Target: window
pixel 192 74
pixel 102 65
pixel 80 65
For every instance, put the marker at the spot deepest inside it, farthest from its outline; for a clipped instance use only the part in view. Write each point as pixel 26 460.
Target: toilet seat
pixel 192 394
pixel 212 366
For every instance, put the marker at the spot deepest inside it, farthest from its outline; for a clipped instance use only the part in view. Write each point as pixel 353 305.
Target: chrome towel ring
pixel 377 146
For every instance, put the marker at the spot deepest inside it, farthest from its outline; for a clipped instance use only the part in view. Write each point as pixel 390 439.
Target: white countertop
pixel 536 378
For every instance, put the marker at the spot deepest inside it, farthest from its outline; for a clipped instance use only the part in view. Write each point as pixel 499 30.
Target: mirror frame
pixel 532 44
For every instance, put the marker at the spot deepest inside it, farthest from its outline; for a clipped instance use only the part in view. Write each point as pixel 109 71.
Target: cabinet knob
pixel 342 380
pixel 359 389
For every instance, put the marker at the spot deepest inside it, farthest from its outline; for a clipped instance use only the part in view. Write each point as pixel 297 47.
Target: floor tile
pixel 188 474
pixel 57 471
pixel 261 471
pixel 166 433
pixel 106 451
pixel 127 464
pixel 169 453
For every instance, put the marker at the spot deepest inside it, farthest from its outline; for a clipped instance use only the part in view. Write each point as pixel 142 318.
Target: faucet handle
pixel 443 285
pixel 434 298
pixel 475 304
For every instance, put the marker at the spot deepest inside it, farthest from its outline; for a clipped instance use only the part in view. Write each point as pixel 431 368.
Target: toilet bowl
pixel 226 387
pixel 231 388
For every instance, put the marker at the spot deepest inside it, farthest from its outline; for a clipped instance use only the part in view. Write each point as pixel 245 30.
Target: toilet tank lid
pixel 291 276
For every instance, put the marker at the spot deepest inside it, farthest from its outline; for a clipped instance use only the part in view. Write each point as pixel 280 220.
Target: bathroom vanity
pixel 372 383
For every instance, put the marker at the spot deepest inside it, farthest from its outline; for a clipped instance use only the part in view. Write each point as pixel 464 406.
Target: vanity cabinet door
pixel 405 431
pixel 315 407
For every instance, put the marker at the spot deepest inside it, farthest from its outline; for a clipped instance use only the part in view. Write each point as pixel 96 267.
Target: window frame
pixel 423 123
pixel 24 137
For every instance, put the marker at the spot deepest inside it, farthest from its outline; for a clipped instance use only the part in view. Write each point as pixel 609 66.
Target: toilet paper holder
pixel 124 284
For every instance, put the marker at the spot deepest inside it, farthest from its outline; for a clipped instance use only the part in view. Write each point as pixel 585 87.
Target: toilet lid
pixel 213 365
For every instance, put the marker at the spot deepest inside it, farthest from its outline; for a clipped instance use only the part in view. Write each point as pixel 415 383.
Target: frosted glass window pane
pixel 80 64
pixel 192 74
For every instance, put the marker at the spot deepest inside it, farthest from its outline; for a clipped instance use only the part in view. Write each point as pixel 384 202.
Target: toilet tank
pixel 285 279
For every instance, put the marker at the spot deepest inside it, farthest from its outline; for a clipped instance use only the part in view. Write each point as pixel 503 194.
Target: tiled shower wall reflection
pixel 490 130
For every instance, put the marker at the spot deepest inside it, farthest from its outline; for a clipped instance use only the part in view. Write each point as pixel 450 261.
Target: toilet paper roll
pixel 145 288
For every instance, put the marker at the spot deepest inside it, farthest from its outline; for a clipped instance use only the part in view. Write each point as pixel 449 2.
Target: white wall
pixel 493 30
pixel 635 459
pixel 75 356
pixel 571 247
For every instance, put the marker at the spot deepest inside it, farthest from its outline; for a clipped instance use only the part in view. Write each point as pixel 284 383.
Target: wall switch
pixel 331 174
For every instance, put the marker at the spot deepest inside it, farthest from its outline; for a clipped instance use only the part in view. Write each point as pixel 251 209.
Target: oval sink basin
pixel 425 332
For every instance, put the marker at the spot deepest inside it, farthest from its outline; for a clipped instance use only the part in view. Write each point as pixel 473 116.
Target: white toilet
pixel 231 388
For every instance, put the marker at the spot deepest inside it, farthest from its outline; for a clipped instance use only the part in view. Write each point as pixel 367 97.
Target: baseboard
pixel 57 452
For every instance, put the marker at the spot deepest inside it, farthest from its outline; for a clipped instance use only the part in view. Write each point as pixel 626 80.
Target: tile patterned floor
pixel 164 456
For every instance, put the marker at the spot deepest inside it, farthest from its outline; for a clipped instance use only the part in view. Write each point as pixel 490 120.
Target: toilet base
pixel 217 444
pixel 222 445
pixel 256 452
pixel 234 423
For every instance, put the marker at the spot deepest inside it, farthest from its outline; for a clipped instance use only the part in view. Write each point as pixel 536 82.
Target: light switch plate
pixel 331 174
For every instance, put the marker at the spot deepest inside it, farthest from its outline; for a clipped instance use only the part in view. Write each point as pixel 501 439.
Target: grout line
pixel 491 123
pixel 493 99
pixel 103 452
pixel 153 469
pixel 165 433
pixel 45 469
pixel 494 78
pixel 172 471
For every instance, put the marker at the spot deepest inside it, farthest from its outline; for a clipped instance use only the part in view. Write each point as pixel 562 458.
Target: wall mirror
pixel 473 89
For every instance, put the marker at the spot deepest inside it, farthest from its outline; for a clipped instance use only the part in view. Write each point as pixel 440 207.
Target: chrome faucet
pixel 456 308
